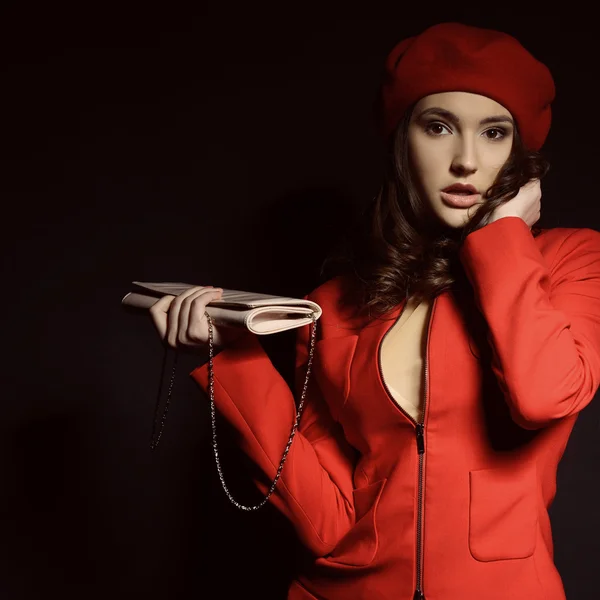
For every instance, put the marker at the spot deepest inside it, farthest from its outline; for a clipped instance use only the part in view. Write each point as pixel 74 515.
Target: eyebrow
pixel 442 112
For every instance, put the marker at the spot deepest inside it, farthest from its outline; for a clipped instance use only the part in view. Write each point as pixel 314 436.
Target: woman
pixel 454 351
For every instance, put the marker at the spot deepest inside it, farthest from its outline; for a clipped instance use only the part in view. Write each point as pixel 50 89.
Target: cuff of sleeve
pixel 491 248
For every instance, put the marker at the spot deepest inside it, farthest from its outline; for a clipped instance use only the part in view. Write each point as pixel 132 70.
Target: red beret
pixel 452 57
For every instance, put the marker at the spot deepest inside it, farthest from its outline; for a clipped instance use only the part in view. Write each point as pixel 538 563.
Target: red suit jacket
pixel 455 507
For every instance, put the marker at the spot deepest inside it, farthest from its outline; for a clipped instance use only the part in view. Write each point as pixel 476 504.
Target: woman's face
pixel 457 138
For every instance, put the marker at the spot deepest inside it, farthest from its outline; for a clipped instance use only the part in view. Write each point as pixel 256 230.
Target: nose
pixel 464 161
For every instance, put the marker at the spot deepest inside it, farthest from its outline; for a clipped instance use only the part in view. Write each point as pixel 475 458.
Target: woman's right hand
pixel 181 323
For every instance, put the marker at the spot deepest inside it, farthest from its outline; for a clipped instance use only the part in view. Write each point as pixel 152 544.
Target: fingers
pixel 535 185
pixel 176 322
pixel 197 326
pixel 158 313
pixel 180 320
pixel 181 312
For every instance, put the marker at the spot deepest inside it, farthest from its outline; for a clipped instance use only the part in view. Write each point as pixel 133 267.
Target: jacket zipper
pixel 420 435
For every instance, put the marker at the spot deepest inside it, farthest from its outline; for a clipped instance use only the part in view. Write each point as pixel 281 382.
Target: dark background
pixel 226 146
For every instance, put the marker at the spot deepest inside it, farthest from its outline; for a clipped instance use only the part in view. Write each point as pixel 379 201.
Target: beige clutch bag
pixel 262 314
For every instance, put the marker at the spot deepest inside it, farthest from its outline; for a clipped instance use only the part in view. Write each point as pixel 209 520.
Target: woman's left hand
pixel 526 204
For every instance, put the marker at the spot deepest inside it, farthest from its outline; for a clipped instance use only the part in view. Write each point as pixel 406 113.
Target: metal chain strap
pixel 294 428
pixel 155 439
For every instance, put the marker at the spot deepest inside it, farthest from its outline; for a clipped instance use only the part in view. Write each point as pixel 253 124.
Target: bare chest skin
pixel 403 355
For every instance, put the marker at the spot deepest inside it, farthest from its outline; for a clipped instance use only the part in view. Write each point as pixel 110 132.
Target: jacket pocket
pixel 359 546
pixel 503 513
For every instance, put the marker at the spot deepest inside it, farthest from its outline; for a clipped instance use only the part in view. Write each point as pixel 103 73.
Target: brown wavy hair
pixel 395 248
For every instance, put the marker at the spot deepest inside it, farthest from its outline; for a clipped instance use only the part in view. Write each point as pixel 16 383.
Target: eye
pixel 435 128
pixel 495 133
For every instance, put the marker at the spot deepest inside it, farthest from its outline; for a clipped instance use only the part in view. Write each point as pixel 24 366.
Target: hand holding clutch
pixel 181 323
pixel 261 314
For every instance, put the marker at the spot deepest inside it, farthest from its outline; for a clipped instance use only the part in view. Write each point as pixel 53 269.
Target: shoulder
pixel 559 234
pixel 338 299
pixel 556 240
pixel 331 290
pixel 568 248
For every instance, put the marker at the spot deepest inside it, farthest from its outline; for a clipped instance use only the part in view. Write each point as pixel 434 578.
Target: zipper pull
pixel 419 595
pixel 420 440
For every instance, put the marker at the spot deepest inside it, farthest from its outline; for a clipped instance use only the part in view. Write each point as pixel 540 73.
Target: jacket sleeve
pixel 544 322
pixel 315 490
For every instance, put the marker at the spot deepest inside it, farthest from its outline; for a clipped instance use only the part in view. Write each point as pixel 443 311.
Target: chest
pixel 402 357
pixel 431 367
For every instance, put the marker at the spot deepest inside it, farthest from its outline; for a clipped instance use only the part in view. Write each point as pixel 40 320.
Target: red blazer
pixel 455 507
